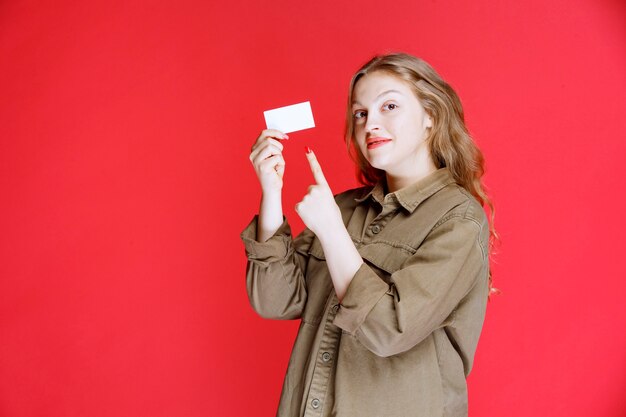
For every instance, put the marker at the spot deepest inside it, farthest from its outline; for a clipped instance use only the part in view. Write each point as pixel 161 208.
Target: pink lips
pixel 375 142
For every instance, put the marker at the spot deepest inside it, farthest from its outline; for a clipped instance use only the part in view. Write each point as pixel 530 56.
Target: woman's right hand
pixel 267 158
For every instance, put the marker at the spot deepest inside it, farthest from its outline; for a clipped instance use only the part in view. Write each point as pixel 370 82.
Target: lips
pixel 375 142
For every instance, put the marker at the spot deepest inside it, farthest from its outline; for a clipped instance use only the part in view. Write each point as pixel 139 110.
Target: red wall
pixel 125 129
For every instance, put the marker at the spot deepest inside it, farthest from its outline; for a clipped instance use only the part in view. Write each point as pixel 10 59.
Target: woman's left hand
pixel 318 209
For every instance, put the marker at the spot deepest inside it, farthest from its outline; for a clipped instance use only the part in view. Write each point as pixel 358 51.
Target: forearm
pixel 276 290
pixel 274 280
pixel 270 215
pixel 342 258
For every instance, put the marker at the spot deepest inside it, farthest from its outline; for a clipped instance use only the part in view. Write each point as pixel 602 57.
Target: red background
pixel 125 129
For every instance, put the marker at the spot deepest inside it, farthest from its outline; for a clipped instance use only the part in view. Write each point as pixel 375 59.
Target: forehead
pixel 371 85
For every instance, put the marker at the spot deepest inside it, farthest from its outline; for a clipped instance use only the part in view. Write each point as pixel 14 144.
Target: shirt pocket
pixel 386 257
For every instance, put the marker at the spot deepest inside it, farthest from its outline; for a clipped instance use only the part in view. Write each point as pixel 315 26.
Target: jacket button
pixel 375 229
pixel 315 403
pixel 325 356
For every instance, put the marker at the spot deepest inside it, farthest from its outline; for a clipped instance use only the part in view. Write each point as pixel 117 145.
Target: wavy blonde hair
pixel 448 140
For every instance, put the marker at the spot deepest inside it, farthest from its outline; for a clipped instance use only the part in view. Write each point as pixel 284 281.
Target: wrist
pixel 270 216
pixel 334 233
pixel 275 194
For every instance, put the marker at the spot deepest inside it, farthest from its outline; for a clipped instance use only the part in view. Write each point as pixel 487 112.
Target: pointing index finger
pixel 315 167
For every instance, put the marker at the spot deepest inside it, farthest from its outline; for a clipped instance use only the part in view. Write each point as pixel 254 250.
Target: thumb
pixel 315 167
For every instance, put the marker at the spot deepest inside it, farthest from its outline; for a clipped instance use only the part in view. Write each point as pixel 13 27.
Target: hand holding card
pixel 269 164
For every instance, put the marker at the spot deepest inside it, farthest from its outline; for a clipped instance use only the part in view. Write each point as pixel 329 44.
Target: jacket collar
pixel 412 195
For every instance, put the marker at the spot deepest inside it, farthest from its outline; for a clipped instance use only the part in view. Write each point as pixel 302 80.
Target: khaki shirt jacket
pixel 402 342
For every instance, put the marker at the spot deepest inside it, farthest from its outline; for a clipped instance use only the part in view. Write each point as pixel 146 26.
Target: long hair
pixel 449 141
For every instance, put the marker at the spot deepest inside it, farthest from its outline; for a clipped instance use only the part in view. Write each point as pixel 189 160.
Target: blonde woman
pixel 390 280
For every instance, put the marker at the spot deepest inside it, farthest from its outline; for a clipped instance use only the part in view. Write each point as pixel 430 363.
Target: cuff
pixel 274 249
pixel 363 293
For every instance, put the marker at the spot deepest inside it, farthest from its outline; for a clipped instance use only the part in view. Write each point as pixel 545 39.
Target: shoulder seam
pixel 453 215
pixel 478 239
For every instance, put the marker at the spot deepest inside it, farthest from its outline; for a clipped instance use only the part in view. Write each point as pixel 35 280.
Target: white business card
pixel 290 118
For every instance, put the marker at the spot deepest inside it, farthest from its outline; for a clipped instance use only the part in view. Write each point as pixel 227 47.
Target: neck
pixel 397 182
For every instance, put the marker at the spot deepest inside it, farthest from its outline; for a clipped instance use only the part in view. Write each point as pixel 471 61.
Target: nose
pixel 372 124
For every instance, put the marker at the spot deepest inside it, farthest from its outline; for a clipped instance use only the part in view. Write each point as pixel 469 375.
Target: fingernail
pixel 307 149
pixel 285 137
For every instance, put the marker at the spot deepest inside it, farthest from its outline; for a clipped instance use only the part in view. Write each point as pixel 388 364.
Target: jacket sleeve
pixel 274 273
pixel 392 318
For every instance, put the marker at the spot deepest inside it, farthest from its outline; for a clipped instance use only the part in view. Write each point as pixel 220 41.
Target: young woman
pixel 390 280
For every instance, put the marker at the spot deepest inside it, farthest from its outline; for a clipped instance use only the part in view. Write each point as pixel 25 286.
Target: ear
pixel 428 121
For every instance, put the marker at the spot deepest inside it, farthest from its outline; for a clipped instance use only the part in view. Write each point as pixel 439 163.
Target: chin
pixel 378 164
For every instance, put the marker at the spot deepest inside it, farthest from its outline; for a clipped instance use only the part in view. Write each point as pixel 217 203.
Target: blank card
pixel 290 118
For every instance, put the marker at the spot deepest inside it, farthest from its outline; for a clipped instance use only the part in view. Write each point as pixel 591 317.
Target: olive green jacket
pixel 403 339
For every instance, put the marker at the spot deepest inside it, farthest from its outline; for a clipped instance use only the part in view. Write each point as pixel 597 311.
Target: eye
pixel 360 114
pixel 390 106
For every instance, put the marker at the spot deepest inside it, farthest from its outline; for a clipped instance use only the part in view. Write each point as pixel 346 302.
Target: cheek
pixel 359 134
pixel 410 127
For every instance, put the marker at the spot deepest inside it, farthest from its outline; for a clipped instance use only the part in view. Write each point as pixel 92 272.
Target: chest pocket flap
pixel 386 256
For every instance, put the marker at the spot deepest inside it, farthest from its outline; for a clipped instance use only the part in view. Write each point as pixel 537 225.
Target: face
pixel 390 125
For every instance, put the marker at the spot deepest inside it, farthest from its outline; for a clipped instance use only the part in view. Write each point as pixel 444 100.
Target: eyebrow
pixel 378 96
